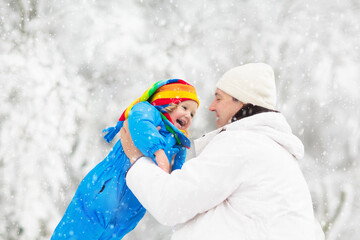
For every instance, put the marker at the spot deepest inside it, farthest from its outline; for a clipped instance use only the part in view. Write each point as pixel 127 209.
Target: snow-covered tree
pixel 69 68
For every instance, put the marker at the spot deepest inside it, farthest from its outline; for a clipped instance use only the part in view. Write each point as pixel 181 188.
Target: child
pixel 103 206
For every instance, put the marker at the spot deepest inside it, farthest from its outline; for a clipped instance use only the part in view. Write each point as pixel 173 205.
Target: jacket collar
pixel 203 141
pixel 271 124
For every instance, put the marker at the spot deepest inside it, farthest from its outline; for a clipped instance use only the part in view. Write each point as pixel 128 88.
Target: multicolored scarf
pixel 161 94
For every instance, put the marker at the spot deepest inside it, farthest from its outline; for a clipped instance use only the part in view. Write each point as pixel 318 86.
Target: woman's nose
pixel 212 106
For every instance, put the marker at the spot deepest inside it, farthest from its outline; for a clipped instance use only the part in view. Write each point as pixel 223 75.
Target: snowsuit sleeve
pixel 179 158
pixel 201 184
pixel 143 120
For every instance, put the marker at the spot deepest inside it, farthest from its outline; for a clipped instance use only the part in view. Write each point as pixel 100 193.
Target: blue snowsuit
pixel 103 206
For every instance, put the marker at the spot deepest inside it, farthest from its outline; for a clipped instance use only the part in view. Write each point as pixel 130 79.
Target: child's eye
pixel 184 107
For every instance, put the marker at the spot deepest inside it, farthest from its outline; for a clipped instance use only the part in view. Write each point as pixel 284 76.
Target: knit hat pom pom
pixel 112 131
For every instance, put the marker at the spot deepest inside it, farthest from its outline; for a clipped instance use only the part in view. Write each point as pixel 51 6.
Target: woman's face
pixel 225 107
pixel 183 114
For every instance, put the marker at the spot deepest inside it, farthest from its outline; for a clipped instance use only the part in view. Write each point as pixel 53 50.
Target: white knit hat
pixel 250 83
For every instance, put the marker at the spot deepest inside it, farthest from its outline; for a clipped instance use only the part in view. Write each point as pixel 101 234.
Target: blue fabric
pixel 112 131
pixel 179 157
pixel 143 124
pixel 103 206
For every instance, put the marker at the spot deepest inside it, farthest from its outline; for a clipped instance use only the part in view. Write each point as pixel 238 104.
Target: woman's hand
pixel 162 160
pixel 132 152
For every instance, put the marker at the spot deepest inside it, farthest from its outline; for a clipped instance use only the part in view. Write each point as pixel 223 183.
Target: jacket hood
pixel 273 125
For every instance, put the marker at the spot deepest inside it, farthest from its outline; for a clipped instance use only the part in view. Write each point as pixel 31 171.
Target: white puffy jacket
pixel 245 183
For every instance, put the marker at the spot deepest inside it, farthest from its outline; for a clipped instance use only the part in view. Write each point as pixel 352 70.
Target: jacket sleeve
pixel 179 158
pixel 201 184
pixel 143 120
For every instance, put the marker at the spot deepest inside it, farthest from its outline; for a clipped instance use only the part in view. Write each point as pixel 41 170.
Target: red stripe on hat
pixel 165 101
pixel 122 118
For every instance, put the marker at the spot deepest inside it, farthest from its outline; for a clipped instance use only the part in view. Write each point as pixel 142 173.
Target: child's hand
pixel 179 157
pixel 162 160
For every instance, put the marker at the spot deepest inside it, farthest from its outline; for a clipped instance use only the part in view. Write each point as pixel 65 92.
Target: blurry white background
pixel 69 68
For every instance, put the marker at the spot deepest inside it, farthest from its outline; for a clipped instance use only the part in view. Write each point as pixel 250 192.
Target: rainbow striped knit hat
pixel 161 94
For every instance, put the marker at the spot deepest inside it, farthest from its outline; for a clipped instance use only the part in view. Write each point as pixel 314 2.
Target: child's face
pixel 183 114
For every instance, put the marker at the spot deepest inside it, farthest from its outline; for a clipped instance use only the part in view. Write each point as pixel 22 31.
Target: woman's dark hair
pixel 248 110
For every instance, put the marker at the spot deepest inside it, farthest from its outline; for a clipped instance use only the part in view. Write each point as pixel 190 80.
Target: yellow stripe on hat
pixel 175 94
pixel 175 90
